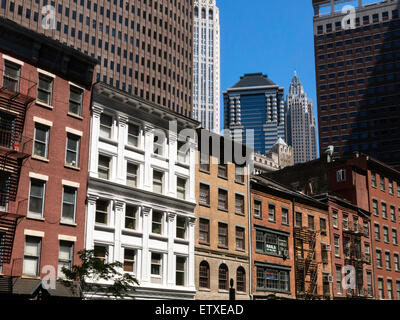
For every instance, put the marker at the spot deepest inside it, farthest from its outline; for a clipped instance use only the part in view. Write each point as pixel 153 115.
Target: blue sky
pixel 269 36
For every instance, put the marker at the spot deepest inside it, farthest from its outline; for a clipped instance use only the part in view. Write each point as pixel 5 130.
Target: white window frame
pixel 110 128
pixel 37 258
pixel 77 152
pixel 46 143
pixel 70 261
pixel 43 198
pixel 75 202
pixel 47 77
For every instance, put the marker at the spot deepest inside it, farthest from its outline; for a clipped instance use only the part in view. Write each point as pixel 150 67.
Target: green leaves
pixel 93 272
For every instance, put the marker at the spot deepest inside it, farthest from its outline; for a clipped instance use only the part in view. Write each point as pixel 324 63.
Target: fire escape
pixel 306 265
pixel 354 257
pixel 16 94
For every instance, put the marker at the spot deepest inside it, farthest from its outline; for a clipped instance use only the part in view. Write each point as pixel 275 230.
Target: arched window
pixel 196 12
pixel 241 279
pixel 223 276
pixel 204 275
pixel 210 14
pixel 203 13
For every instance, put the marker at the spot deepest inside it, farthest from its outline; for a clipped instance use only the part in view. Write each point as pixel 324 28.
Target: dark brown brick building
pixel 358 72
pixel 45 116
pixel 144 47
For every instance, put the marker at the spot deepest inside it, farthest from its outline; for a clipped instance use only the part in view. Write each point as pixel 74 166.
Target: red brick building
pixel 372 186
pixel 52 127
pixel 289 232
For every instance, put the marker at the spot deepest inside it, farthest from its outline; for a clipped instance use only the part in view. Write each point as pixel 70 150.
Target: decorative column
pixel 145 252
pixel 170 260
pixel 192 171
pixel 191 262
pixel 119 215
pixel 148 150
pixel 122 137
pixel 94 142
pixel 90 222
pixel 172 157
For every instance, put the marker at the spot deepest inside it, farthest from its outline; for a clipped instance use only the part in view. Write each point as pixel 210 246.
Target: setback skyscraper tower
pixel 300 122
pixel 358 75
pixel 143 47
pixel 206 64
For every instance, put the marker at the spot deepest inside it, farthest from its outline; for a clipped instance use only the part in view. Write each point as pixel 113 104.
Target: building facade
pixel 222 229
pixel 143 47
pixel 357 67
pixel 290 232
pixel 206 65
pixel 53 133
pixel 301 128
pixel 141 195
pixel 255 103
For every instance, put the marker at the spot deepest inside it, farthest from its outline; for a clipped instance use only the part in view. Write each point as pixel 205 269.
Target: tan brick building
pixel 222 229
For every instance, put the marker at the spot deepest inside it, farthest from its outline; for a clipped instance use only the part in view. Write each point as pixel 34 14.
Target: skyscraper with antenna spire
pixel 300 123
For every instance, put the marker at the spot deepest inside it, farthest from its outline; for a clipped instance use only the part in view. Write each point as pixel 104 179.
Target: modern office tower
pixel 301 126
pixel 358 74
pixel 144 47
pixel 255 103
pixel 206 64
pixel 141 193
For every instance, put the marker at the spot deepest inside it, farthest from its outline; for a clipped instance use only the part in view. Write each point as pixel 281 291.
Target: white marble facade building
pixel 206 65
pixel 141 195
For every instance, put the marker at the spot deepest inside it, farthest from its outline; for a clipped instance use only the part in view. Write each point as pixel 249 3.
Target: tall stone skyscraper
pixel 206 64
pixel 255 103
pixel 300 123
pixel 143 47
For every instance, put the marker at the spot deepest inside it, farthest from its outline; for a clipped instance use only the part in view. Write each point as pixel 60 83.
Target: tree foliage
pixel 91 274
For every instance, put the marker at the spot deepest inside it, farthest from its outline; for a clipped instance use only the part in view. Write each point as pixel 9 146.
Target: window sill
pixel 71 224
pixel 222 209
pixel 240 214
pixel 222 177
pixel 108 140
pixel 222 247
pixel 76 116
pixel 223 291
pixel 158 237
pixel 131 232
pixel 204 205
pixel 182 164
pixel 35 218
pixel 103 227
pixel 66 165
pixel 133 148
pixel 204 244
pixel 181 241
pixel 45 105
pixel 204 290
pixel 204 171
pixel 241 183
pixel 241 250
pixel 30 277
pixel 160 157
pixel 40 158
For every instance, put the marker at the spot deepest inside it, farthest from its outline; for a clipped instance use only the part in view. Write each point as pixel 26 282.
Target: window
pixel 322 224
pixel 239 174
pixel 181 227
pixel 131 217
pixel 382 180
pixel 45 89
pixel 222 235
pixel 181 188
pixel 299 219
pixel 100 252
pixel 156 225
pixel 241 280
pixel 386 234
pixel 375 207
pixel 335 218
pixel 223 276
pixel 272 279
pixel 373 179
pixel 367 251
pixel 129 260
pixel 2 242
pixel 131 175
pixel 11 76
pixel 377 232
pixel 396 263
pixel 106 123
pixel 204 275
pixel 32 256
pixel 384 210
pixel 72 152
pixel 41 142
pixel 133 135
pixel 102 211
pixel 339 280
pixel 65 257
pixel 69 205
pixel 271 244
pixel 183 152
pixel 346 247
pixel 391 187
pixel 180 271
pixel 240 243
pixel 75 100
pixel 204 194
pixel 204 231
pixel 222 199
pixel 204 162
pixel 223 171
pixel 341 175
pixel 380 289
pixel 337 245
pixel 345 222
pixel 36 198
pixel 379 258
pixel 239 204
pixel 311 222
pixel 369 283
pixel 158 178
pixel 285 216
pixel 355 224
pixel 390 289
pixel 158 144
pixel 257 209
pixel 156 263
pixel 104 167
